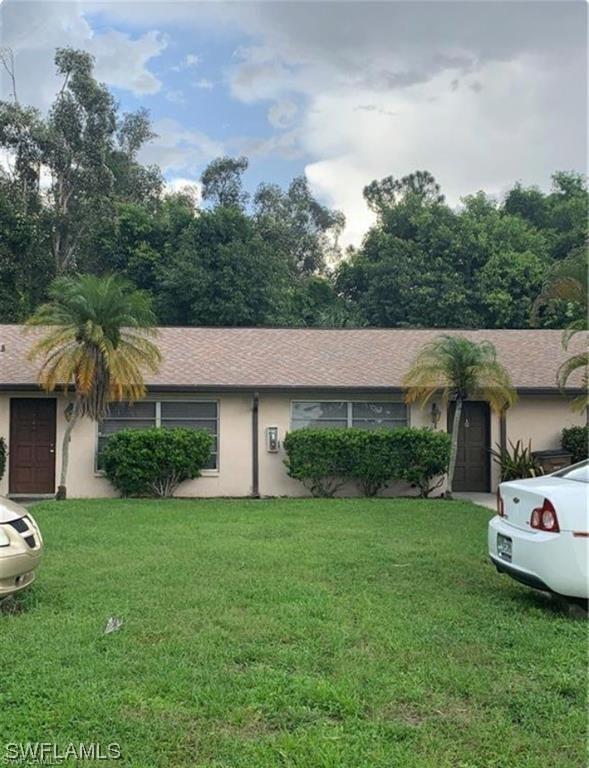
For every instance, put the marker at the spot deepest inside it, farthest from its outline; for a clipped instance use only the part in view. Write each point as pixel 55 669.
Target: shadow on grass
pixel 555 605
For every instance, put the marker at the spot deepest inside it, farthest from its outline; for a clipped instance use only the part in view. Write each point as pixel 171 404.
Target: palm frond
pixel 455 367
pixel 97 336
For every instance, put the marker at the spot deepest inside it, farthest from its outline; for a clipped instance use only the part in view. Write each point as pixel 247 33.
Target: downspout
pixel 255 447
pixel 503 429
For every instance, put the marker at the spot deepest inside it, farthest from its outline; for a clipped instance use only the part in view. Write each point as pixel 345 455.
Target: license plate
pixel 504 547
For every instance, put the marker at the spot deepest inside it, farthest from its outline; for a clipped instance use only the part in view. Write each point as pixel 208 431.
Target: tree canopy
pixel 75 198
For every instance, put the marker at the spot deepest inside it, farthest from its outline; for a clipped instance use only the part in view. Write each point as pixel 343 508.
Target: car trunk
pixel 520 499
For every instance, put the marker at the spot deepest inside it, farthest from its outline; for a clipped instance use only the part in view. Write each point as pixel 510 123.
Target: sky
pixel 481 93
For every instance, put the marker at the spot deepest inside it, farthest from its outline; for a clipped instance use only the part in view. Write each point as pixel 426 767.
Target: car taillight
pixel 544 518
pixel 500 505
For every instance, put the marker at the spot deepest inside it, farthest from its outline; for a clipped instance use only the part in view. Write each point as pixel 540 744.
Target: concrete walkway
pixel 488 500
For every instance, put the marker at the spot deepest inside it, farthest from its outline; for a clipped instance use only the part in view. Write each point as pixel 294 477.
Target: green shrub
pixel 372 458
pixel 325 459
pixel 153 462
pixel 575 440
pixel 319 458
pixel 424 455
pixel 517 461
pixel 2 457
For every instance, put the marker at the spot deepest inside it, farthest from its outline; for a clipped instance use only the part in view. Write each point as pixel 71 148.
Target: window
pixel 578 472
pixel 343 413
pixel 196 414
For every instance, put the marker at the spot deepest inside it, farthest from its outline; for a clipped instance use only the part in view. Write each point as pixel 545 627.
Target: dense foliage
pixel 575 440
pixel 516 461
pixel 324 460
pixel 271 257
pixel 153 462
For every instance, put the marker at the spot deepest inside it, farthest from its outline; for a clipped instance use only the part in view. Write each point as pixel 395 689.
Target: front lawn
pixel 307 633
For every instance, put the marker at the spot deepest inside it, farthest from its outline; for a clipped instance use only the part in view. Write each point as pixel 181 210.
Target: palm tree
pixel 96 337
pixel 568 282
pixel 458 369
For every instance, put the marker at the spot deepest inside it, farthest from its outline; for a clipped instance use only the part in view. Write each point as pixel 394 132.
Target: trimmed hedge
pixel 575 440
pixel 2 457
pixel 153 462
pixel 324 459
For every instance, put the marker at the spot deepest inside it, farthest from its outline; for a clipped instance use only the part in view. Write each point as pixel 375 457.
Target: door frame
pixel 11 443
pixel 450 416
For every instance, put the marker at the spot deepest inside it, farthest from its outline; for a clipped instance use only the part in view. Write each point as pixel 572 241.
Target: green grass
pixel 307 633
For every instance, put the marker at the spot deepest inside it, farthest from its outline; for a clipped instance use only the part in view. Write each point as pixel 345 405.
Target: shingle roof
pixel 301 357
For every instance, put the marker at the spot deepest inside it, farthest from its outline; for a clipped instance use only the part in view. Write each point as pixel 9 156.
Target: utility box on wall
pixel 272 444
pixel 552 460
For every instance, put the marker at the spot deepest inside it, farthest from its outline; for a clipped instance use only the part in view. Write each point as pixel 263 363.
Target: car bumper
pixel 17 572
pixel 554 562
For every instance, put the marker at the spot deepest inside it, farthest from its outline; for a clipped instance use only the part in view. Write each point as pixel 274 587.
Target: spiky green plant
pixel 517 461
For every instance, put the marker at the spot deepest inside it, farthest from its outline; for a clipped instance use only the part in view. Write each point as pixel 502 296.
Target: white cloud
pixel 179 149
pixel 35 29
pixel 286 144
pixel 122 61
pixel 204 84
pixel 282 114
pixel 480 94
pixel 175 97
pixel 189 61
pixel 190 187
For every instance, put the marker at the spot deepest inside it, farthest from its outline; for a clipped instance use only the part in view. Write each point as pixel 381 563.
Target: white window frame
pixel 211 472
pixel 349 404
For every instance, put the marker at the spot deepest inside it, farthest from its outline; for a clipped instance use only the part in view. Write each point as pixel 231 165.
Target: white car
pixel 540 536
pixel 21 547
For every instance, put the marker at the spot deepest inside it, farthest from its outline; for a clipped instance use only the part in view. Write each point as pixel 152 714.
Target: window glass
pixel 142 410
pixel 375 415
pixel 109 426
pixel 142 415
pixel 579 472
pixel 319 411
pixel 367 415
pixel 172 410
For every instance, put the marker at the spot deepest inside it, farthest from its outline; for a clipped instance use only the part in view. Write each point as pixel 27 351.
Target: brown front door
pixel 32 445
pixel 473 458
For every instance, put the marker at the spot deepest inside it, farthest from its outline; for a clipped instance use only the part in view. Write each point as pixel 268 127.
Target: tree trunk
pixel 454 447
pixel 65 454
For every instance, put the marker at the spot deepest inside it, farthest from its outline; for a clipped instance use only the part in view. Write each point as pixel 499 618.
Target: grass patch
pixel 303 633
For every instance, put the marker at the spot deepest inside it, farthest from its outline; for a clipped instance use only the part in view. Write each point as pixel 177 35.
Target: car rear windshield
pixel 578 472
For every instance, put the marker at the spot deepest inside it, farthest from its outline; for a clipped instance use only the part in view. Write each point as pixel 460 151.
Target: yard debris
pixel 112 625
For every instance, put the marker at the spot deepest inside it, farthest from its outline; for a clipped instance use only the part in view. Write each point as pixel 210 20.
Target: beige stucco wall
pixel 233 478
pixel 541 419
pixel 274 411
pixel 538 418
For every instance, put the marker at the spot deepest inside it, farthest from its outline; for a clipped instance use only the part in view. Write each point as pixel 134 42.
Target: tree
pixel 222 184
pixel 96 337
pixel 223 273
pixel 385 194
pixel 88 153
pixel 459 369
pixel 295 224
pixel 413 268
pixel 26 266
pixel 568 282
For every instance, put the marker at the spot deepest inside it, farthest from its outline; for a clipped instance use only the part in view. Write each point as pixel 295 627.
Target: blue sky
pixel 481 94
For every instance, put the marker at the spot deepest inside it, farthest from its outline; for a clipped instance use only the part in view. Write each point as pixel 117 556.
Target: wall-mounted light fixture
pixel 435 414
pixel 272 444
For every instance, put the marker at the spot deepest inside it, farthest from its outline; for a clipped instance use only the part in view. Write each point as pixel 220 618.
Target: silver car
pixel 21 548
